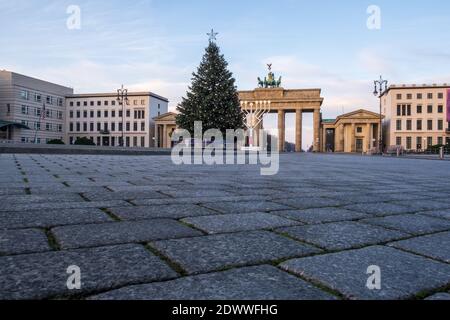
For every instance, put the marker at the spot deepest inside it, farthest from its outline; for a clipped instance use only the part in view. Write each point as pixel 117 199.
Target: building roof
pixel 353 114
pixel 114 95
pixel 169 116
pixel 416 86
pixel 4 123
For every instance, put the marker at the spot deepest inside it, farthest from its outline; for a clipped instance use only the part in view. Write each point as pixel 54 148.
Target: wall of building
pixel 411 100
pixel 22 100
pixel 98 117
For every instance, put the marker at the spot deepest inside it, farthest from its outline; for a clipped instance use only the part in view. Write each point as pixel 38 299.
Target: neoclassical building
pixel 356 131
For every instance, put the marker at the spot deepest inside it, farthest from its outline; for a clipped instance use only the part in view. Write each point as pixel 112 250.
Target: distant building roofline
pixel 114 94
pixel 417 86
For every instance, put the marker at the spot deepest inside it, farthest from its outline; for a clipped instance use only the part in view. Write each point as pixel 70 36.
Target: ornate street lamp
pixel 381 87
pixel 122 98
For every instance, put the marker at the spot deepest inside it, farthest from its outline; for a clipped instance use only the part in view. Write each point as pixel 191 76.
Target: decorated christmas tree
pixel 212 97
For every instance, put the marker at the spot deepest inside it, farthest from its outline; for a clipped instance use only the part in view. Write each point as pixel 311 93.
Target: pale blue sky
pixel 156 44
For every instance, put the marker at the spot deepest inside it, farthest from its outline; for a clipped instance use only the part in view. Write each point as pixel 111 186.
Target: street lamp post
pixel 380 88
pixel 122 98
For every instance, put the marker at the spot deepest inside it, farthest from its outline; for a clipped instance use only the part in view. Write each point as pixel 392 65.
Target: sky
pixel 155 45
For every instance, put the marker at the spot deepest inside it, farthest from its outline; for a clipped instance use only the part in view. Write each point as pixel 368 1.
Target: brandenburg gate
pixel 284 101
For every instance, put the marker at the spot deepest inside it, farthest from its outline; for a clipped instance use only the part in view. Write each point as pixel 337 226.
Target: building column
pixel 370 136
pixel 156 143
pixel 165 136
pixel 316 130
pixel 281 130
pixel 353 138
pixel 298 130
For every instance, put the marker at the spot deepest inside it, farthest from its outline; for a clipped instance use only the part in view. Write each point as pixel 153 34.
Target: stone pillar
pixel 353 138
pixel 316 130
pixel 156 143
pixel 342 138
pixel 281 130
pixel 165 136
pixel 298 130
pixel 370 135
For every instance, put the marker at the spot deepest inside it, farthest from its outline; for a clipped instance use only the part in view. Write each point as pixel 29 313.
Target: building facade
pixel 32 110
pixel 106 122
pixel 416 116
pixel 356 131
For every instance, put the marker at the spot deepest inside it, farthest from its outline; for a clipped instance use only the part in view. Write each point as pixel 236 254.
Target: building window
pixel 24 110
pixel 419 143
pixel 142 142
pixel 419 96
pixel 358 129
pixel 135 102
pixel 135 126
pixel 440 109
pixel 143 114
pixel 38 97
pixel 430 109
pixel 106 114
pixel 409 125
pixel 399 141
pixel 92 113
pixel 85 103
pixel 127 127
pixel 8 108
pixel 71 103
pixel 84 126
pixel 113 113
pixel 99 114
pixel 440 141
pixel 120 113
pixel 120 126
pixel 440 95
pixel 419 125
pixel 105 126
pixel 399 125
pixel 128 113
pixel 78 114
pixel 24 94
pixel 409 96
pixel 91 126
pixel 99 103
pixel 113 126
pixel 419 109
pixel 92 103
pixel 99 126
pixel 113 103
pixel 127 141
pixel 399 96
pixel 78 127
pixel 408 143
pixel 429 141
pixel 408 109
pixel 106 103
pixel 85 113
pixel 430 96
pixel 143 102
pixel 404 110
pixel 134 141
pixel 430 125
pixel 71 127
pixel 135 114
pixel 78 103
pixel 440 125
pixel 143 126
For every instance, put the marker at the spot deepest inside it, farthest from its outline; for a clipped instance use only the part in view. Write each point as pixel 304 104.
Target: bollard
pixel 398 152
pixel 441 153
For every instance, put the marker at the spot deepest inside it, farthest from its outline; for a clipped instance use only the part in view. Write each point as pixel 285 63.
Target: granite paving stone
pixel 246 206
pixel 380 209
pixel 436 246
pixel 249 283
pixel 173 211
pixel 424 205
pixel 321 215
pixel 342 235
pixel 412 223
pixel 61 205
pixel 311 202
pixel 239 222
pixel 403 275
pixel 23 241
pixel 44 275
pixel 439 297
pixel 443 213
pixel 104 195
pixel 51 218
pixel 91 235
pixel 215 252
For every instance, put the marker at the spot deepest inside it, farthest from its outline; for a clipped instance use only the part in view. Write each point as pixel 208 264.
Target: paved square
pixel 153 230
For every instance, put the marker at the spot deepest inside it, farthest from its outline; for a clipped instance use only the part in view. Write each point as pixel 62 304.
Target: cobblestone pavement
pixel 139 227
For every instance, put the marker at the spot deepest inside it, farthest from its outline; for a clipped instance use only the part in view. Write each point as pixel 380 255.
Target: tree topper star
pixel 212 35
